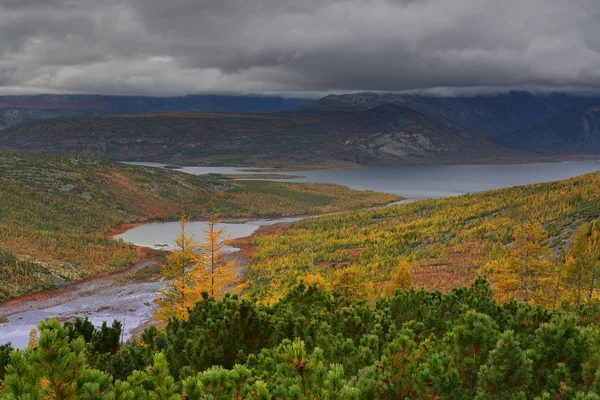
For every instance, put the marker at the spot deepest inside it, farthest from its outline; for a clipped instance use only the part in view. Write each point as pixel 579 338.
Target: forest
pixel 312 344
pixel 536 243
pixel 58 212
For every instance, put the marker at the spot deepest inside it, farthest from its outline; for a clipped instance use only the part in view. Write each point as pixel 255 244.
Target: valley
pixel 57 211
pixel 341 194
pixel 299 200
pixel 444 261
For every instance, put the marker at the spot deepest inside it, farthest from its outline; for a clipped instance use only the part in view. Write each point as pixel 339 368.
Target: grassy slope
pixel 447 240
pixel 56 211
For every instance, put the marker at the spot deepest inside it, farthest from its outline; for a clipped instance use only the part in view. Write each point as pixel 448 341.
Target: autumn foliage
pixel 196 270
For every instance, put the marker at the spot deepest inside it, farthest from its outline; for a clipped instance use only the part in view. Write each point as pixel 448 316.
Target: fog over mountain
pixel 304 48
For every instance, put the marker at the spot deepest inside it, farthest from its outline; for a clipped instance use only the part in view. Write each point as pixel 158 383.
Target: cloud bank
pixel 297 47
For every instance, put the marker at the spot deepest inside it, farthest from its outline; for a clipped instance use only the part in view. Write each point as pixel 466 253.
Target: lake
pixel 161 235
pixel 416 182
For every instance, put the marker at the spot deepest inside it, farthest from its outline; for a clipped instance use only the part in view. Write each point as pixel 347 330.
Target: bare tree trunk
pixel 525 264
pixel 560 268
pixel 579 283
pixel 593 283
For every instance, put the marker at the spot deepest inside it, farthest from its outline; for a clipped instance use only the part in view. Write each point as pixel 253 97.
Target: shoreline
pixel 117 281
pixel 66 293
pixel 526 159
pixel 148 253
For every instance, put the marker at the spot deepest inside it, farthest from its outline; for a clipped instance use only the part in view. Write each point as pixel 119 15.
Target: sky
pixel 297 47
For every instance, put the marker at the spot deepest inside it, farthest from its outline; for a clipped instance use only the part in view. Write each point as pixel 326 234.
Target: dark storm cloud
pixel 317 46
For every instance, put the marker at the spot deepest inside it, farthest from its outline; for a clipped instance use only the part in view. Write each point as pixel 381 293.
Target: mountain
pixel 337 130
pixel 574 130
pixel 487 115
pixel 17 109
pixel 385 134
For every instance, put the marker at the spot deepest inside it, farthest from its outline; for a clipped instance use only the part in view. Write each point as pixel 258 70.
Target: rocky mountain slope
pixel 385 134
pixel 574 130
pixel 362 128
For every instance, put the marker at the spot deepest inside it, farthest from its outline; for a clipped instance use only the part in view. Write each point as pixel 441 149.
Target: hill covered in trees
pixel 521 237
pixel 312 345
pixel 57 211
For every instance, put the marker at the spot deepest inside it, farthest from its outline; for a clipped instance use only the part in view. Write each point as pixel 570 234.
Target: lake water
pixel 161 235
pixel 200 170
pixel 416 182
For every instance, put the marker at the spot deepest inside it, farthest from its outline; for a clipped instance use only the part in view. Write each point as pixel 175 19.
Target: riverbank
pixel 119 296
pixel 126 296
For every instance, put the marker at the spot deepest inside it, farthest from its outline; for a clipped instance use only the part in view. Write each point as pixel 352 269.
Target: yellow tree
pixel 402 279
pixel 352 284
pixel 177 273
pixel 527 274
pixel 33 338
pixel 211 273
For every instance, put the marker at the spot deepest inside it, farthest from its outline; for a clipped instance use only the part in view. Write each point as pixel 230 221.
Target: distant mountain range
pixel 484 115
pixel 575 130
pixel 362 128
pixel 17 109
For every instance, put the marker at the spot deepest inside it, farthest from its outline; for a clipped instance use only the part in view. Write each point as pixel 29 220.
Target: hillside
pixel 385 134
pixel 57 211
pixel 574 130
pixel 17 109
pixel 447 241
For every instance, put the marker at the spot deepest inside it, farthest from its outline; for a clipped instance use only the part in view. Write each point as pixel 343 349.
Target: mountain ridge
pixel 385 134
pixel 573 130
pixel 18 109
pixel 334 131
pixel 482 114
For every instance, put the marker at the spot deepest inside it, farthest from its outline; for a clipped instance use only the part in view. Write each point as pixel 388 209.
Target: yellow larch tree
pixel 352 284
pixel 177 273
pixel 527 274
pixel 210 272
pixel 33 338
pixel 402 279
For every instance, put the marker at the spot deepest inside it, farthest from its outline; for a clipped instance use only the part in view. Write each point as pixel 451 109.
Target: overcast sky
pixel 170 47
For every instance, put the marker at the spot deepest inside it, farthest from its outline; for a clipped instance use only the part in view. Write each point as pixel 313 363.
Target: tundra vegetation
pixel 57 212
